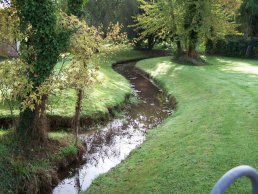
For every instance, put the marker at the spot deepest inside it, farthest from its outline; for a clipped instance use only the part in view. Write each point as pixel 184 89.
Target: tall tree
pixel 249 17
pixel 83 46
pixel 43 41
pixel 186 22
pixel 249 22
pixel 104 12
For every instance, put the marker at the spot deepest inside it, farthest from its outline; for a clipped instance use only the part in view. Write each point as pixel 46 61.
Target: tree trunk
pixel 39 125
pixel 249 50
pixel 33 124
pixel 76 123
pixel 179 49
pixel 192 44
pixel 192 53
pixel 151 42
pixel 24 129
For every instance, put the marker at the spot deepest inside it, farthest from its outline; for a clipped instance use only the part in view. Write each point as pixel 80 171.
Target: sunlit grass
pixel 98 98
pixel 213 130
pixel 58 135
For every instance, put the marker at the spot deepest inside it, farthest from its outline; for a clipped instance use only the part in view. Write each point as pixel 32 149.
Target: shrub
pixel 234 46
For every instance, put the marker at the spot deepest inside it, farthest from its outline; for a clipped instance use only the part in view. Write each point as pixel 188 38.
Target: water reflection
pixel 111 144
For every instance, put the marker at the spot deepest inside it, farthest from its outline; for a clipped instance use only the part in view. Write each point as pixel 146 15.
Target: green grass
pixel 101 95
pixel 69 150
pixel 25 168
pixel 58 135
pixel 99 98
pixel 214 129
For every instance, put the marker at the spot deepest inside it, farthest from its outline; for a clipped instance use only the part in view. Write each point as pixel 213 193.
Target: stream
pixel 111 144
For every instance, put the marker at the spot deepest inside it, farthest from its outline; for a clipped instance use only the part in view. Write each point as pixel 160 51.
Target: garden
pixel 130 96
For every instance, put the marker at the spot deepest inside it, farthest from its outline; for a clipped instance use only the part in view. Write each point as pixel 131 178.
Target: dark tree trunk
pixel 77 116
pixel 151 42
pixel 209 47
pixel 192 53
pixel 179 49
pixel 33 124
pixel 249 50
pixel 192 44
pixel 194 15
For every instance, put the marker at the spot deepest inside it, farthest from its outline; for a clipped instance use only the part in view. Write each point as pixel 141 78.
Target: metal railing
pixel 231 176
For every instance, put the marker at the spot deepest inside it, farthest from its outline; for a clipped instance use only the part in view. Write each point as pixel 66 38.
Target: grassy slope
pixel 214 129
pixel 29 167
pixel 99 97
pixel 31 164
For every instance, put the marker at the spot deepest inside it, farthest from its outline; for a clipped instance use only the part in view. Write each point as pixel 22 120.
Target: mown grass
pixel 98 98
pixel 213 130
pixel 101 96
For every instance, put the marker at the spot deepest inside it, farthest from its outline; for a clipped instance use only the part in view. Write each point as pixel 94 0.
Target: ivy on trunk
pixel 43 41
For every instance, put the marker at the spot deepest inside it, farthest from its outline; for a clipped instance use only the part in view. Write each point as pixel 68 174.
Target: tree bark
pixel 192 44
pixel 151 42
pixel 40 125
pixel 179 49
pixel 33 124
pixel 76 123
pixel 192 53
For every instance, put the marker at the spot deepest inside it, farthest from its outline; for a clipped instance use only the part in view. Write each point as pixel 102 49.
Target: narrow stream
pixel 111 144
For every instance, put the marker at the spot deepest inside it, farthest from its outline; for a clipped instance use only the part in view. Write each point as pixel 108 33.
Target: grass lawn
pixel 214 129
pixel 99 98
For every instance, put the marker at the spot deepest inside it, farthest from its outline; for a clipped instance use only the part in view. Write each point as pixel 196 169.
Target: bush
pixel 233 47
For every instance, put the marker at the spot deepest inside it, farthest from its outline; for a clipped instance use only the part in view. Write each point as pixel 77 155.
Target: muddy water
pixel 111 144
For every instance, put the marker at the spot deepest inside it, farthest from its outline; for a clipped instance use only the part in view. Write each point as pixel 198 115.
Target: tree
pixel 87 47
pixel 249 17
pixel 13 83
pixel 43 41
pixel 249 21
pixel 103 12
pixel 186 22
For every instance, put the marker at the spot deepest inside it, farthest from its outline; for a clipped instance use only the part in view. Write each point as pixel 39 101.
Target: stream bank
pixel 111 144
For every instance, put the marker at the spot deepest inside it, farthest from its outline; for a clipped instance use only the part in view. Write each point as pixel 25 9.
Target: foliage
pixel 83 44
pixel 75 7
pixel 187 22
pixel 87 44
pixel 9 30
pixel 103 12
pixel 42 43
pixel 14 84
pixel 234 47
pixel 248 17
